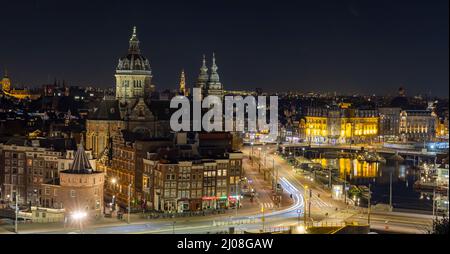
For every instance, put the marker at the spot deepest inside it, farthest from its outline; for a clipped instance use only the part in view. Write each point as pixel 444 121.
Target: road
pixel 322 209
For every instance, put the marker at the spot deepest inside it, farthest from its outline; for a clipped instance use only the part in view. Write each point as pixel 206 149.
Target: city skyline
pixel 358 48
pixel 129 117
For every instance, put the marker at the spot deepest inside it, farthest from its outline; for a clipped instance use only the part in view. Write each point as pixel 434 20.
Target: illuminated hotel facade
pixel 339 126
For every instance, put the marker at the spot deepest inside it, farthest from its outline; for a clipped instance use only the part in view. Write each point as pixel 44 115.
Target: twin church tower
pixel 134 76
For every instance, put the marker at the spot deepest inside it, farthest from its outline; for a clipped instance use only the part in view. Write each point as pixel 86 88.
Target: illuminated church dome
pixel 134 60
pixel 133 74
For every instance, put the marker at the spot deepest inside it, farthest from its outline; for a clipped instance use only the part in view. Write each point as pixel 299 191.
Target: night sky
pixel 344 46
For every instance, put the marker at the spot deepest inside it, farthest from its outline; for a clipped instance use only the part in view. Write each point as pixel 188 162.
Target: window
pixel 72 193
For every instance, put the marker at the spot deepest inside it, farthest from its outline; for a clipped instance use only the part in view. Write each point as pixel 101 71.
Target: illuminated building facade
pixel 130 109
pixel 389 123
pixel 20 94
pixel 192 185
pixel 80 188
pixel 183 90
pixel 442 127
pixel 103 123
pixel 336 125
pixel 28 166
pixel 418 125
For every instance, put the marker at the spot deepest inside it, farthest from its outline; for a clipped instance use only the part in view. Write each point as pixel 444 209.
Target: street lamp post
pixel 309 203
pixel 114 182
pixel 251 156
pixel 304 205
pixel 345 187
pixel 369 207
pixel 329 176
pixel 173 224
pixel 390 189
pixel 129 202
pixel 263 218
pixel 434 201
pixel 16 229
pixel 237 197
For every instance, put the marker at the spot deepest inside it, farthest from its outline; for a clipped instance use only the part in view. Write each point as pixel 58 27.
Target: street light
pixel 304 196
pixel 16 230
pixel 301 229
pixel 129 202
pixel 79 216
pixel 251 156
pixel 173 224
pixel 113 203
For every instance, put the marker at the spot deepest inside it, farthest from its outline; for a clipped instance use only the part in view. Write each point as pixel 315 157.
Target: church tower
pixel 133 74
pixel 6 82
pixel 183 89
pixel 214 87
pixel 202 79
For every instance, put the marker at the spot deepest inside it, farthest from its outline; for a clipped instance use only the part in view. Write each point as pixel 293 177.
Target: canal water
pixel 404 175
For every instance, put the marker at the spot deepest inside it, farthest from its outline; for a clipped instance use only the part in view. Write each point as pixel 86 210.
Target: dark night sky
pixel 345 46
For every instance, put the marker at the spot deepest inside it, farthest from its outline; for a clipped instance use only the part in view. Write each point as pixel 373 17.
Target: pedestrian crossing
pixel 317 202
pixel 268 205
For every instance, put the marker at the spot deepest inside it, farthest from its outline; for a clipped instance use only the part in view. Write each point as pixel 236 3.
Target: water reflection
pixel 379 176
pixel 351 168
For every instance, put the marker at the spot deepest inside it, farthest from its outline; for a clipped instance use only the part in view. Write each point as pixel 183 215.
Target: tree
pixel 440 226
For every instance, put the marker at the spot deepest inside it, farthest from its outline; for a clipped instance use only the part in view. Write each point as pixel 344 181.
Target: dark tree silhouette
pixel 440 226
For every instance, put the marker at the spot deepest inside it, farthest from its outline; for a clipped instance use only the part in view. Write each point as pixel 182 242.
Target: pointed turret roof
pixel 81 163
pixel 203 76
pixel 214 79
pixel 134 43
pixel 182 83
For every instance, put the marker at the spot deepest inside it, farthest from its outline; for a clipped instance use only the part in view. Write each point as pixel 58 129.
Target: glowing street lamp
pixel 79 216
pixel 301 229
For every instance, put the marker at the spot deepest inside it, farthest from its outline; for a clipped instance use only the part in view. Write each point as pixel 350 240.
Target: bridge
pixel 358 147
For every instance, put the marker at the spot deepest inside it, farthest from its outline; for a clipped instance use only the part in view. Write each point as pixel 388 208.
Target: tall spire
pixel 134 43
pixel 203 76
pixel 182 84
pixel 81 162
pixel 214 80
